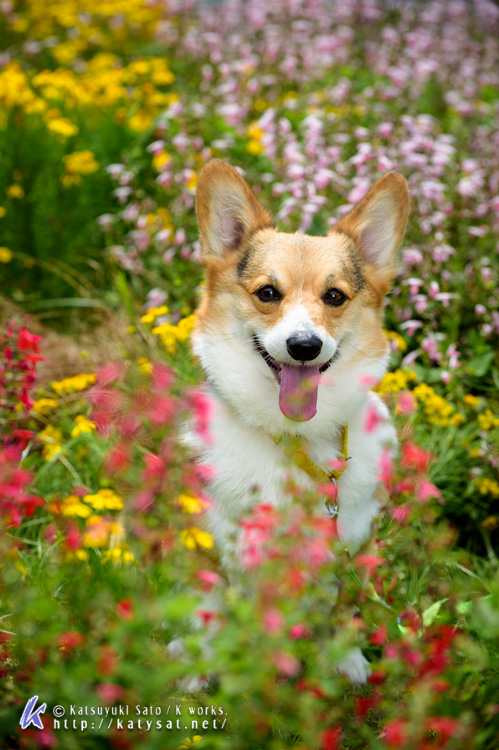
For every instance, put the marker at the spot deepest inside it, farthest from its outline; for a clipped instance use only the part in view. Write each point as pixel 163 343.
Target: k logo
pixel 30 716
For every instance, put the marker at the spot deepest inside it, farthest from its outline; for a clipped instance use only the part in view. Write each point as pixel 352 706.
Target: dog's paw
pixel 355 667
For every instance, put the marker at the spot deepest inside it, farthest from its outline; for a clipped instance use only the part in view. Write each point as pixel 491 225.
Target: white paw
pixel 355 667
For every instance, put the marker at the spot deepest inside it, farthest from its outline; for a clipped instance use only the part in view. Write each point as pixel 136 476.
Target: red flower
pixel 444 727
pixel 364 703
pixel 125 610
pixel 330 739
pixel 414 457
pixel 395 733
pixel 69 640
pixel 28 341
pixel 107 662
pixel 109 693
pixel 378 638
pixel 73 538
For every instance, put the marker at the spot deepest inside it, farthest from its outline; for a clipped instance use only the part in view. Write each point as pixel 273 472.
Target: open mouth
pixel 298 384
pixel 277 366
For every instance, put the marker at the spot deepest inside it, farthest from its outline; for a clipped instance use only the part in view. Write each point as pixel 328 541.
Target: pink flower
pixel 406 403
pixel 203 408
pixel 273 620
pixel 425 491
pixel 400 513
pixel 372 419
pixel 208 578
pixel 299 631
pixel 286 664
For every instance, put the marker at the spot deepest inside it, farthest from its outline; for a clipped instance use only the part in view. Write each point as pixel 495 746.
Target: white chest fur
pixel 249 468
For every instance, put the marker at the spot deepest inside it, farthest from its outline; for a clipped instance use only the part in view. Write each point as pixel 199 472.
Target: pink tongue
pixel 298 394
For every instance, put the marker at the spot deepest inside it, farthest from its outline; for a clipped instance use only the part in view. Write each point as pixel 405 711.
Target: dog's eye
pixel 268 293
pixel 334 297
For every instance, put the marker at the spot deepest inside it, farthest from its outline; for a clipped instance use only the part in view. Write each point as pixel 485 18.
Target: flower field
pixel 108 112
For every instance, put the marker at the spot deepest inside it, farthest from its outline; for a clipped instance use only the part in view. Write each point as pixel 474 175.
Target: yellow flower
pixel 144 366
pixel 104 500
pixel 194 537
pixel 473 401
pixel 393 336
pixel 51 438
pixel 73 507
pixel 188 743
pixel 161 160
pixel 490 523
pixel 438 411
pixel 192 182
pixel 393 382
pixel 3 211
pixel 118 553
pixel 5 255
pixel 141 121
pixel 83 425
pixel 487 420
pixel 63 127
pixel 15 191
pixel 76 164
pixel 154 312
pixel 487 486
pixel 74 384
pixel 171 334
pixel 254 147
pixel 191 504
pixel 44 405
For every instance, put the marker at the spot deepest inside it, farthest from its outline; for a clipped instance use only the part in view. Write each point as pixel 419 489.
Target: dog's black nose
pixel 304 347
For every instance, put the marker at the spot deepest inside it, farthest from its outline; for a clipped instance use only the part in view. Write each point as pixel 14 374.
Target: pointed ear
pixel 377 225
pixel 228 212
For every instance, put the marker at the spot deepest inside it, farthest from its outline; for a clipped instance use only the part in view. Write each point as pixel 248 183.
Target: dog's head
pixel 281 309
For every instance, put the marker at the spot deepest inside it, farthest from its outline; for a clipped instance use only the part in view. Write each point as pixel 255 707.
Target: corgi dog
pixel 289 333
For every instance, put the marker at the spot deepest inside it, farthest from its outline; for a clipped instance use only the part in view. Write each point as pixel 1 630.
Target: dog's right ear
pixel 228 212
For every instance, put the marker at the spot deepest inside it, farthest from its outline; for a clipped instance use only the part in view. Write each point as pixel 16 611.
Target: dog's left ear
pixel 228 212
pixel 377 225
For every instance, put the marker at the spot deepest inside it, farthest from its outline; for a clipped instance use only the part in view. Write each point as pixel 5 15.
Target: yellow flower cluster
pixel 194 537
pixel 191 504
pixel 77 164
pixel 119 553
pixel 72 507
pixel 82 426
pixel 472 401
pixel 76 507
pixel 171 334
pixel 51 438
pixel 153 313
pixel 487 420
pixel 145 366
pixel 487 486
pixel 44 405
pixel 393 382
pixel 255 145
pixel 438 411
pixel 75 384
pixel 104 500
